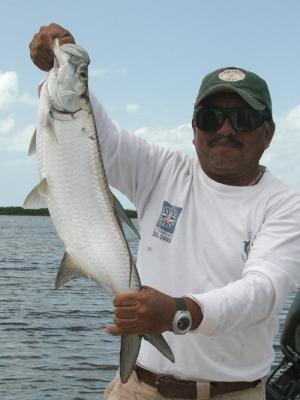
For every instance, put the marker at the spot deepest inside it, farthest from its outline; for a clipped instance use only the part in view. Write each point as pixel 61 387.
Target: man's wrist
pixel 195 311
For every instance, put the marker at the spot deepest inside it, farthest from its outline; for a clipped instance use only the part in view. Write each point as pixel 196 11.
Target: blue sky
pixel 147 61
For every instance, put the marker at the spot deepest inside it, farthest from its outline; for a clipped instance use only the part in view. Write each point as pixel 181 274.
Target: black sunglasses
pixel 242 119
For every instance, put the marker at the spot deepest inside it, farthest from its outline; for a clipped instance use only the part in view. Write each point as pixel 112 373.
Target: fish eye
pixel 83 75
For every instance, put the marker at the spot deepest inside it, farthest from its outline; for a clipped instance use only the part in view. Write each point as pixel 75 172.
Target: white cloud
pixel 8 88
pixel 132 108
pixel 177 138
pixel 94 72
pixel 19 142
pixel 27 99
pixel 9 91
pixel 282 157
pixel 6 124
pixel 142 131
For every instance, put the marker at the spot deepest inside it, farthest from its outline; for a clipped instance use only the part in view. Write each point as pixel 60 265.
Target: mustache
pixel 231 140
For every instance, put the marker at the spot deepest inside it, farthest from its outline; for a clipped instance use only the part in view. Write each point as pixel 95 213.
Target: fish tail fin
pixel 130 347
pixel 37 197
pixel 160 343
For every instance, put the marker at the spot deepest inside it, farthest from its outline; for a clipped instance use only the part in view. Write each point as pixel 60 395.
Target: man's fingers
pixel 122 327
pixel 113 330
pixel 126 312
pixel 126 323
pixel 126 299
pixel 42 43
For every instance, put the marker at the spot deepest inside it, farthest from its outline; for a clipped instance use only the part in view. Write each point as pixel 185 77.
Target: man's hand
pixel 148 311
pixel 42 43
pixel 145 311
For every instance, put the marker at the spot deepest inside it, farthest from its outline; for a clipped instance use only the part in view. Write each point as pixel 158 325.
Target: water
pixel 52 343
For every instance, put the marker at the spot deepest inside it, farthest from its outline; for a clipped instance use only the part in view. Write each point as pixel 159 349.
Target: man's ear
pixel 194 129
pixel 269 129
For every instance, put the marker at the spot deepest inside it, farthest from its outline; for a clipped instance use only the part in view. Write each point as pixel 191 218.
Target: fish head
pixel 67 82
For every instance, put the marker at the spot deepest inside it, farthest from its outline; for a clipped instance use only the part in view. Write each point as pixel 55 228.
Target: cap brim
pixel 223 88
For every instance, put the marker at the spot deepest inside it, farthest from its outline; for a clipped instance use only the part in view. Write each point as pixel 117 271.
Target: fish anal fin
pixel 122 216
pixel 32 146
pixel 68 270
pixel 37 197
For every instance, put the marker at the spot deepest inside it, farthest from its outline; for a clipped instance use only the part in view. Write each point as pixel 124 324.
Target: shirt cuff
pixel 211 310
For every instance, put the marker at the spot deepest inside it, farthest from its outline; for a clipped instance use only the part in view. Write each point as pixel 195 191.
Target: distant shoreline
pixel 43 211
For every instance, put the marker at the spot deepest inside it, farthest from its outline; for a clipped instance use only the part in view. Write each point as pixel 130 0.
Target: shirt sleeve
pixel 271 272
pixel 132 164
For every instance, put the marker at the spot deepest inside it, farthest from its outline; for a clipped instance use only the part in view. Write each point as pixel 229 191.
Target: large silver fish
pixel 73 185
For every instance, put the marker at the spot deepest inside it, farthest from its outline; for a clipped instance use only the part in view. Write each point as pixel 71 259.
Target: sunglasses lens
pixel 209 119
pixel 247 120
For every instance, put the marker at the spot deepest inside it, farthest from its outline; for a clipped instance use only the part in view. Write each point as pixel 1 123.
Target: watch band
pixel 180 304
pixel 182 320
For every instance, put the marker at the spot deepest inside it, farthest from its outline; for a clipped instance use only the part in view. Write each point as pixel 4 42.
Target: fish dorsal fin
pixel 122 216
pixel 37 197
pixel 32 146
pixel 68 270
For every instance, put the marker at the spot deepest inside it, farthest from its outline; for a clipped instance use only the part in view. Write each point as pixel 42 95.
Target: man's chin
pixel 225 166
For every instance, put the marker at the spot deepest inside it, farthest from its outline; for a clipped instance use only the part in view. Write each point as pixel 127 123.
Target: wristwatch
pixel 182 320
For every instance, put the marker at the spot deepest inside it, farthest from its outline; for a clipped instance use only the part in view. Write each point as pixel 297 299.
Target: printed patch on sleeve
pixel 167 221
pixel 247 245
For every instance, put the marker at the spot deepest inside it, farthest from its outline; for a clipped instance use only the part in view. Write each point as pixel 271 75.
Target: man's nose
pixel 226 129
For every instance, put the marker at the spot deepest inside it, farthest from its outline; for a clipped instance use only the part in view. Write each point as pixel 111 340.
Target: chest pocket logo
pixel 166 224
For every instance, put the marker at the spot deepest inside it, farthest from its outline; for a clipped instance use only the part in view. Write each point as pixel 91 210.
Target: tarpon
pixel 87 216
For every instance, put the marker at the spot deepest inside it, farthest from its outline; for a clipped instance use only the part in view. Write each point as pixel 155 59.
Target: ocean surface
pixel 52 344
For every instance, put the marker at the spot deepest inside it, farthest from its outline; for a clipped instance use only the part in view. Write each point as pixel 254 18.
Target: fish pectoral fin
pixel 130 347
pixel 46 121
pixel 160 343
pixel 37 197
pixel 121 214
pixel 68 270
pixel 32 146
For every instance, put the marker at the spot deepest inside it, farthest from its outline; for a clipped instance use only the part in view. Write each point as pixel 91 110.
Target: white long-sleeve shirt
pixel 234 249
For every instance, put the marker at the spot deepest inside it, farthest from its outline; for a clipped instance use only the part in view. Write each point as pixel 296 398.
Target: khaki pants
pixel 136 390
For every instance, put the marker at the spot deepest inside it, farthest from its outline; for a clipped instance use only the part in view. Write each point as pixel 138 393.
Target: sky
pixel 147 62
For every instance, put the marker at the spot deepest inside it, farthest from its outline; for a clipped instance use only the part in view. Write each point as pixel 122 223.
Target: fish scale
pixel 85 213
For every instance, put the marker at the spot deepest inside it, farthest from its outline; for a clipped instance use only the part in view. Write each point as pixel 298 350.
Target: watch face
pixel 183 323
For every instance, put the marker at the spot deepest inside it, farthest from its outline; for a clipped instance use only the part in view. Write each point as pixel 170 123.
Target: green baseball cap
pixel 248 85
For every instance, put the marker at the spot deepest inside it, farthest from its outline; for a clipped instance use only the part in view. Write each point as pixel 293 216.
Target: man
pixel 220 242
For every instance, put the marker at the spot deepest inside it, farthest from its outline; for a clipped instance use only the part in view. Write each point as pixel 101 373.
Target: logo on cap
pixel 231 75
